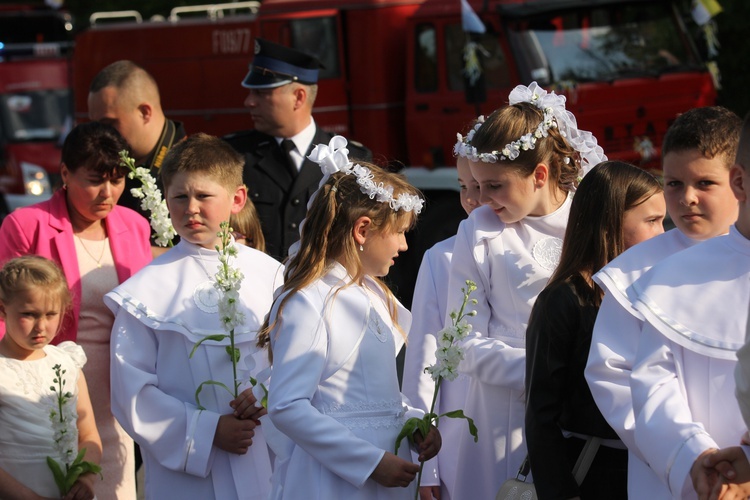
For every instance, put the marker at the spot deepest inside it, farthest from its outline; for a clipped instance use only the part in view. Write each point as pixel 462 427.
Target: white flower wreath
pixel 334 157
pixel 555 116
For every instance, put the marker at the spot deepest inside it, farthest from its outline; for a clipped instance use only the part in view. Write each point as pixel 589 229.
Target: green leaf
pixel 469 420
pixel 407 432
pixel 58 474
pixel 236 356
pixel 264 399
pixel 200 388
pixel 217 338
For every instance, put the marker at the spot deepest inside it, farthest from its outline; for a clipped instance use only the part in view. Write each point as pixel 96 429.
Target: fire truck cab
pixel 35 101
pixel 395 72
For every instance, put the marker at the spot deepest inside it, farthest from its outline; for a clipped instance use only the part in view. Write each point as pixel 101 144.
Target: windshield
pixel 39 115
pixel 601 44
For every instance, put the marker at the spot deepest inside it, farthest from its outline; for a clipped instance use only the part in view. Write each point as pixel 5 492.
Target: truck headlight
pixel 35 179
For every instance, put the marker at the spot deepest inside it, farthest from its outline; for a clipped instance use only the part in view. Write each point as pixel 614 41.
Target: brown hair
pixel 327 233
pixel 95 146
pixel 714 131
pixel 594 235
pixel 207 155
pixel 129 79
pixel 508 124
pixel 247 223
pixel 29 272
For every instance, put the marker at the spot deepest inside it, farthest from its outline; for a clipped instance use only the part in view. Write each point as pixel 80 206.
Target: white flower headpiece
pixel 334 157
pixel 463 145
pixel 555 116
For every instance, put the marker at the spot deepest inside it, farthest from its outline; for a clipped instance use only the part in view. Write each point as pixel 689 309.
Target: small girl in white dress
pixel 334 333
pixel 33 298
pixel 527 158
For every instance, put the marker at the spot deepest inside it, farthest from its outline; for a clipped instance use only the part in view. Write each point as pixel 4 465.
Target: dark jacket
pixel 281 201
pixel 557 396
pixel 172 133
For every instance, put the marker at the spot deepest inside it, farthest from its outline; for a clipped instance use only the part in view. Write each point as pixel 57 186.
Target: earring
pixel 65 187
pixel 361 248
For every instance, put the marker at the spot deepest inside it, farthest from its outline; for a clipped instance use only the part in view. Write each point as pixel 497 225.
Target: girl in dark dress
pixel 615 207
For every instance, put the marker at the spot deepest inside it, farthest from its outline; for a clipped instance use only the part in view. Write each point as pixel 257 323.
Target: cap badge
pixel 257 47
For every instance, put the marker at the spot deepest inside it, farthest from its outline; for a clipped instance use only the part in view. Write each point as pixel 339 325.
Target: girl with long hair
pixel 334 332
pixel 615 207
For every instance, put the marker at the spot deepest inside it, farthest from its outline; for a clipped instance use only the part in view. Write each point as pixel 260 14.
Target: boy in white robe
pixel 163 311
pixel 695 309
pixel 698 151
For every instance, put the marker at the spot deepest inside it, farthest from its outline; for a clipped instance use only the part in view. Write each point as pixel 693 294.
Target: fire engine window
pixel 425 59
pixel 34 115
pixel 317 36
pixel 602 44
pixel 488 51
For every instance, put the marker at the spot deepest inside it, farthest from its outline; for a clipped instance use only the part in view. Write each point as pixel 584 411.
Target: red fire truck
pixel 394 72
pixel 35 101
pixel 393 68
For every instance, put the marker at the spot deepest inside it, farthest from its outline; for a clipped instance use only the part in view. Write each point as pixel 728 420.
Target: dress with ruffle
pixel 26 399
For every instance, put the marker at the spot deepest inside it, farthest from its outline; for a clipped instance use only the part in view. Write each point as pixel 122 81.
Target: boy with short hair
pixel 698 151
pixel 695 310
pixel 160 314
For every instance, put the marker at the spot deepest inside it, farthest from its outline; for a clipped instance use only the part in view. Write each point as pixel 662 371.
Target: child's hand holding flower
pixel 449 354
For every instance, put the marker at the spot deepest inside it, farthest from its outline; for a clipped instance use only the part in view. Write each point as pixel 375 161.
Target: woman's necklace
pixel 101 254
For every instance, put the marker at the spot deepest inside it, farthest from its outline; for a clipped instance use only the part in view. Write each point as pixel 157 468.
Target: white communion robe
pixel 695 308
pixel 510 264
pixel 614 345
pixel 334 390
pixel 428 314
pixel 742 379
pixel 160 313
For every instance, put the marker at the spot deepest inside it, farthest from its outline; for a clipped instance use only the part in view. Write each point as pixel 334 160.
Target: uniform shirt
pixel 281 201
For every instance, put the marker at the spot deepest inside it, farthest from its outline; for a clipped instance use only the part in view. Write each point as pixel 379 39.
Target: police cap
pixel 275 65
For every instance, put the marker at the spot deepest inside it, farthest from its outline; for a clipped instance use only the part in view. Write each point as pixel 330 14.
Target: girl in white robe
pixel 428 312
pixel 699 149
pixel 334 334
pixel 526 157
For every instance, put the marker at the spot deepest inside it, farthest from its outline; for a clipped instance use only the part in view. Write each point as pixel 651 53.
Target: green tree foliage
pixel 734 51
pixel 734 54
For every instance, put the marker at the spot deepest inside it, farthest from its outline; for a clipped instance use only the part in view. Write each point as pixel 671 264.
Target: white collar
pixel 698 298
pixel 302 140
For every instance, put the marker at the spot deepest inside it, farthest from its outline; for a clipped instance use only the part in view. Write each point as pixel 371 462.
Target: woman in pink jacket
pixel 98 245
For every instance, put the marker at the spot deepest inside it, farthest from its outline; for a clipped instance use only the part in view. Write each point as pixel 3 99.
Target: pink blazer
pixel 45 229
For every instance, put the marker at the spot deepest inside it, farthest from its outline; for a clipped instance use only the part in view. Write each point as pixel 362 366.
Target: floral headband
pixel 334 157
pixel 555 116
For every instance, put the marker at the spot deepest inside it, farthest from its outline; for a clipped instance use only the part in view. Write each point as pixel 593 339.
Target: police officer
pixel 279 177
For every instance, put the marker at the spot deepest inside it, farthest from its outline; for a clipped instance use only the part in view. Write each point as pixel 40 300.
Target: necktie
pixel 287 145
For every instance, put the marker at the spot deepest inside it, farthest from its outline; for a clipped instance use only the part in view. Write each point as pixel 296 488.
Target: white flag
pixel 470 20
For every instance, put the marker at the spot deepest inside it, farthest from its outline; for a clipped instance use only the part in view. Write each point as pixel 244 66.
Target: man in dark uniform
pixel 126 96
pixel 279 177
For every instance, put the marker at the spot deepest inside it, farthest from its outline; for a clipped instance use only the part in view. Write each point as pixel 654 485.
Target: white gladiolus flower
pixel 151 200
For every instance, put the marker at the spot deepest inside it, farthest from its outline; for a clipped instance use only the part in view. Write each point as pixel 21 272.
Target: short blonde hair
pixel 207 155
